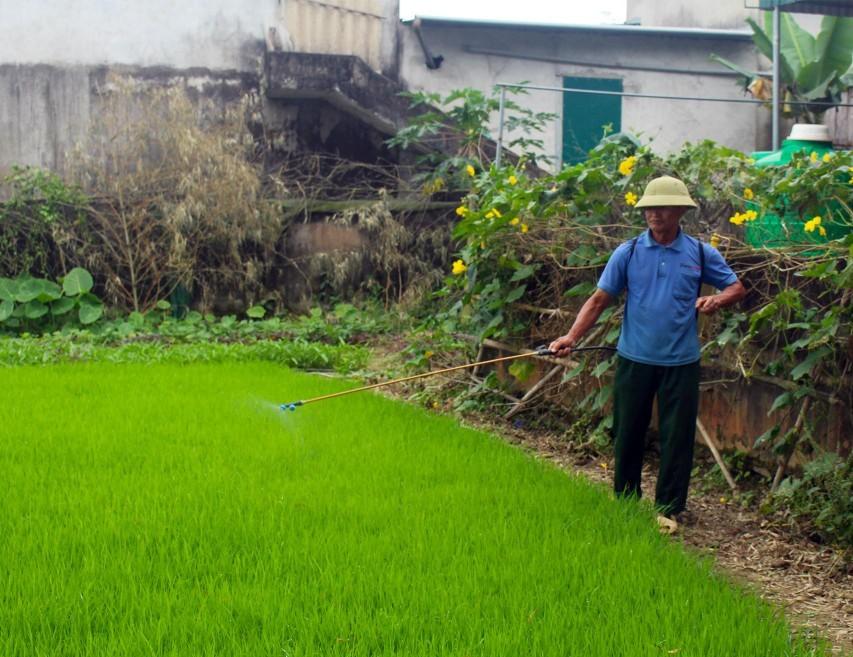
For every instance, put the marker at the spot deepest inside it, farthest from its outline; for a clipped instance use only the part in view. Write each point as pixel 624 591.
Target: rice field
pixel 173 510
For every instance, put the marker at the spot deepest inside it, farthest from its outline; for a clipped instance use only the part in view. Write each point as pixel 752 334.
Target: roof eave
pixel 623 30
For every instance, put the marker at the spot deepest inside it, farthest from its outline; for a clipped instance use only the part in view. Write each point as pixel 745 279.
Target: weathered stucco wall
pixel 220 34
pixel 47 111
pixel 480 56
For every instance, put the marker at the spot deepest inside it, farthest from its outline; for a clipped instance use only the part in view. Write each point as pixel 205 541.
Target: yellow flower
pixel 490 214
pixel 438 184
pixel 723 500
pixel 822 231
pixel 497 213
pixel 428 355
pixel 470 170
pixel 459 267
pixel 737 219
pixel 715 240
pixel 813 223
pixel 750 215
pixel 512 180
pixel 826 157
pixel 626 166
pixel 524 228
pixel 813 156
pixel 462 211
pixel 435 404
pixel 631 198
pixel 748 194
pixel 482 245
pixel 514 221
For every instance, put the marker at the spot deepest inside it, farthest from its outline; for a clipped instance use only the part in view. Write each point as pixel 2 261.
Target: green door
pixel 585 115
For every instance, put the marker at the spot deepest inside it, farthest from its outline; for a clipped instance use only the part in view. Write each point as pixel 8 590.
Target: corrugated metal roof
pixel 622 30
pixel 826 7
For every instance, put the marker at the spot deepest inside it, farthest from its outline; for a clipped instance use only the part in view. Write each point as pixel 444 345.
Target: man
pixel 658 351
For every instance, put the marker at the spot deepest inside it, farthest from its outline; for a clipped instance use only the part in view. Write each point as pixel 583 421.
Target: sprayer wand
pixel 540 351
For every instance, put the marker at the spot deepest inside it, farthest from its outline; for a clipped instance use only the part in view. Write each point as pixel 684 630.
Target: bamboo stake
pixel 712 445
pixel 783 464
pixel 536 388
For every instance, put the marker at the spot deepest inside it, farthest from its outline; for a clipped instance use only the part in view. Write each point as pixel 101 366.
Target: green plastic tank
pixel 772 230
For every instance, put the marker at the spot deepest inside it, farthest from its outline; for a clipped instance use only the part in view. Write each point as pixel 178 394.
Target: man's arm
pixel 727 297
pixel 588 315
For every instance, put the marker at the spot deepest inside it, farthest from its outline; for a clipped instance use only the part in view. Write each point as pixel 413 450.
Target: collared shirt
pixel 659 323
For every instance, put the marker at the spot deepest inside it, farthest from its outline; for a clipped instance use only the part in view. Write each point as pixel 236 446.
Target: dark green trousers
pixel 677 390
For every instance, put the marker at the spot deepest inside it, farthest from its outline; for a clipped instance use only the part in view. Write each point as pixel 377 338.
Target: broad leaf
pixel 78 281
pixel 62 306
pixel 35 309
pixel 516 293
pixel 256 312
pixel 808 364
pixel 811 86
pixel 764 42
pixel 797 45
pixel 834 45
pixel 29 289
pixel 8 289
pixel 782 400
pixel 89 313
pixel 525 271
pixel 747 74
pixel 50 291
pixel 136 319
pixel 7 307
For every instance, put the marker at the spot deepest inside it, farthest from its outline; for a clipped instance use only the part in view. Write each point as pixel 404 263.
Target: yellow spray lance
pixel 539 351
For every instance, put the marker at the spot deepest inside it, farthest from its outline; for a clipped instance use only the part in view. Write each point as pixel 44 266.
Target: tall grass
pixel 172 510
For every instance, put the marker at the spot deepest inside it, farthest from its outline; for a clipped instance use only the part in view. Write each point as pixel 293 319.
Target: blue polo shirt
pixel 659 323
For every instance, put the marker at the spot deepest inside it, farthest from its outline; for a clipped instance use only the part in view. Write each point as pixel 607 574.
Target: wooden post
pixel 706 437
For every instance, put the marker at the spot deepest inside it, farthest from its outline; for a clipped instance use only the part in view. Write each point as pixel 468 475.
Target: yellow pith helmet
pixel 663 191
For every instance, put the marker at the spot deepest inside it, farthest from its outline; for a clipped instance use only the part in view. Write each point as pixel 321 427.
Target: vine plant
pixel 538 242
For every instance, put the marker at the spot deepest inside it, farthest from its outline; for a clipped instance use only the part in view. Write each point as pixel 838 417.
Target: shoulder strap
pixel 701 264
pixel 631 248
pixel 701 270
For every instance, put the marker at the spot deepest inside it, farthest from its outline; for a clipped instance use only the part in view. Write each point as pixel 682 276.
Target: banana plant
pixel 812 70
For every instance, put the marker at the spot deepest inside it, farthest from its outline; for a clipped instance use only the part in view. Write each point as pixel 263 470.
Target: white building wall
pixel 720 14
pixel 668 123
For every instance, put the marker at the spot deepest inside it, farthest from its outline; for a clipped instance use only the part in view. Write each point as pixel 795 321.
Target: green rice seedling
pixel 171 510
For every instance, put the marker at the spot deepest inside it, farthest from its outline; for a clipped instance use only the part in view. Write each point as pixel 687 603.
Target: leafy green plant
pixel 813 69
pixel 821 498
pixel 37 304
pixel 458 123
pixel 35 217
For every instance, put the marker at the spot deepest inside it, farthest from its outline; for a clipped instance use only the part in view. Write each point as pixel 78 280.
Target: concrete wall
pixel 221 34
pixel 542 57
pixel 47 111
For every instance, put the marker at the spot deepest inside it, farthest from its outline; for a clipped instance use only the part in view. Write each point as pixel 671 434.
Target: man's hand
pixel 562 346
pixel 708 305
